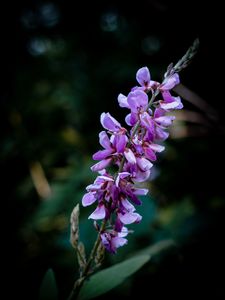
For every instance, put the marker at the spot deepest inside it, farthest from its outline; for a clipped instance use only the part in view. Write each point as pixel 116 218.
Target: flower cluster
pixel 132 152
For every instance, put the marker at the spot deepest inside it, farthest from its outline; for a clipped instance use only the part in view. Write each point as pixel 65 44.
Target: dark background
pixel 64 63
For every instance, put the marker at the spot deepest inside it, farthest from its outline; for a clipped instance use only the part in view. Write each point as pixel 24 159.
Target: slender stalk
pixel 78 284
pixel 181 64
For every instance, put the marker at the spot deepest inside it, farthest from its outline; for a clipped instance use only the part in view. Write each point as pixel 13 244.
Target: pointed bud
pixel 74 229
pixel 81 256
pixel 100 254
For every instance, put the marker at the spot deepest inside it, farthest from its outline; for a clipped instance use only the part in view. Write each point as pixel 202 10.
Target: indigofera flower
pixel 132 152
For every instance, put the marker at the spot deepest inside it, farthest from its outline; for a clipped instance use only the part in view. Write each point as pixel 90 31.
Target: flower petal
pixel 128 120
pixel 102 154
pixel 150 154
pixel 129 217
pixel 141 176
pixel 108 122
pixel 159 112
pixel 127 205
pixel 170 102
pixel 170 82
pixel 143 76
pixel 120 142
pixel 169 106
pixel 144 164
pixel 137 100
pixel 130 156
pixel 147 122
pixel 138 191
pixel 99 213
pixel 121 175
pixel 157 147
pixel 165 120
pixel 124 232
pixel 88 199
pixel 161 134
pixel 104 140
pixel 122 99
pixel 101 165
pixel 118 242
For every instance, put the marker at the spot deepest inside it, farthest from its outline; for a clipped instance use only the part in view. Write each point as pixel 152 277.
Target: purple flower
pixel 113 240
pixel 144 79
pixel 170 82
pixel 127 214
pixel 169 102
pixel 143 76
pixel 109 123
pixel 132 153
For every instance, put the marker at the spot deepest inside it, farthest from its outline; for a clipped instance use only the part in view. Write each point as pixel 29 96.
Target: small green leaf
pixel 109 278
pixel 48 289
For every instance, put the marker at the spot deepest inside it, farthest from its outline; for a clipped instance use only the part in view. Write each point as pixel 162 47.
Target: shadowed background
pixel 64 64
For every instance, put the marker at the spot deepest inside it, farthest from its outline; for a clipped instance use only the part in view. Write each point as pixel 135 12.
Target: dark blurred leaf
pixel 109 278
pixel 48 289
pixel 157 247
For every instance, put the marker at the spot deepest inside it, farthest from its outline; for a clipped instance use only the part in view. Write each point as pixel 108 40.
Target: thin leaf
pixel 109 278
pixel 48 289
pixel 157 247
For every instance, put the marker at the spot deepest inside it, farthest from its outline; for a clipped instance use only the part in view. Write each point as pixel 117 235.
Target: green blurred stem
pixel 78 284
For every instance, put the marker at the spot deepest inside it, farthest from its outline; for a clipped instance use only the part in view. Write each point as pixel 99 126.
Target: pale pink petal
pixel 88 199
pixel 99 213
pixel 143 76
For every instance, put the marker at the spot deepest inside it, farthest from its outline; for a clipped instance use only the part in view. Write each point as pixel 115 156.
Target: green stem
pixel 78 284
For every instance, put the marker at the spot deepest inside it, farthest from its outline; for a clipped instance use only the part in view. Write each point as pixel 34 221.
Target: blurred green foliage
pixel 68 66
